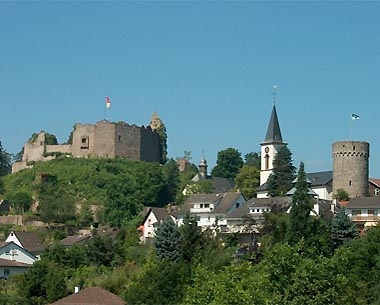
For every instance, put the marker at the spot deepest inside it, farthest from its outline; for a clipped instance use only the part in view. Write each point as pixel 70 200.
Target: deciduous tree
pixel 247 180
pixel 228 163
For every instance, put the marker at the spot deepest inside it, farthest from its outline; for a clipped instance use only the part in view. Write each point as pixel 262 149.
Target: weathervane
pixel 274 95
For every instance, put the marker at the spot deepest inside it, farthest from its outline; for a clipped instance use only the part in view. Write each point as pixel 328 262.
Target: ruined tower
pixel 350 168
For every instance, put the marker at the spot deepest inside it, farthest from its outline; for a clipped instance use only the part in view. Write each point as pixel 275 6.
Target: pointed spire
pixel 273 132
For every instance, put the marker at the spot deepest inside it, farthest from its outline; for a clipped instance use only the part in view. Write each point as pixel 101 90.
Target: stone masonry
pixel 101 140
pixel 351 167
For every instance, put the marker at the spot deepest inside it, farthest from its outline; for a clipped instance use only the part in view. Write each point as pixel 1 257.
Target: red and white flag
pixel 108 102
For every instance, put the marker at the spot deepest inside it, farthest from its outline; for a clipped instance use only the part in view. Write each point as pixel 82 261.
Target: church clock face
pixel 266 149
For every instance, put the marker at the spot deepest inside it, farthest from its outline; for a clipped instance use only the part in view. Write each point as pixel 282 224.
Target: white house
pixel 27 240
pixel 211 209
pixel 14 259
pixel 153 217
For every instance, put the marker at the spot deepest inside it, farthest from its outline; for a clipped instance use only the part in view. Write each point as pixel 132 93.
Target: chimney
pixel 76 289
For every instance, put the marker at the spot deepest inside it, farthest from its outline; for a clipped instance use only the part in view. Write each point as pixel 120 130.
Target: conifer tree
pixel 5 162
pixel 343 229
pixel 280 181
pixel 299 217
pixel 167 241
pixel 192 238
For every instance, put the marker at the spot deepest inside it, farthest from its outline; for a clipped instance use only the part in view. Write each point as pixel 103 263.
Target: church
pixel 320 182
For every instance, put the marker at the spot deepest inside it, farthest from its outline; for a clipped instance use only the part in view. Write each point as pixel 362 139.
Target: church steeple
pixel 273 141
pixel 273 132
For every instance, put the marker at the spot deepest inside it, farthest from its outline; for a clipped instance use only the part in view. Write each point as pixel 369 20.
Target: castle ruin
pixel 101 140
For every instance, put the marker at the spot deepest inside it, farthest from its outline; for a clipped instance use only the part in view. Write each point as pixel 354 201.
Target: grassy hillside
pixel 121 186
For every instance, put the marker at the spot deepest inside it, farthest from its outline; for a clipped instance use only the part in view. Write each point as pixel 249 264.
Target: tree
pixel 253 159
pixel 343 229
pixel 299 216
pixel 167 241
pixel 228 163
pixel 5 162
pixel 161 130
pixel 192 239
pixel 50 139
pixel 341 195
pixel 20 201
pixel 247 180
pixel 280 180
pixel 170 175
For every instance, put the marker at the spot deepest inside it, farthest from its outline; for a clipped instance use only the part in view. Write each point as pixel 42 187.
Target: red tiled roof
pixel 91 296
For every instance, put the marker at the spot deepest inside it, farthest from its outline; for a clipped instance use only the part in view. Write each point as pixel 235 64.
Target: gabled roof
pixel 270 202
pixel 159 213
pixel 29 241
pixel 316 179
pixel 320 178
pixel 240 213
pixel 273 132
pixel 221 185
pixel 91 296
pixel 364 202
pixel 222 202
pixel 76 239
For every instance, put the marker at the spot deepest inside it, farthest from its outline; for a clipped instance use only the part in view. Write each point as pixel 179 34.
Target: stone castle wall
pixel 102 140
pixel 351 167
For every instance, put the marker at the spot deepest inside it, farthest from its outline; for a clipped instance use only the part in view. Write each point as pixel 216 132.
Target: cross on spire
pixel 274 94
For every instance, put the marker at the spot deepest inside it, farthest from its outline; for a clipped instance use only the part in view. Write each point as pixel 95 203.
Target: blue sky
pixel 207 68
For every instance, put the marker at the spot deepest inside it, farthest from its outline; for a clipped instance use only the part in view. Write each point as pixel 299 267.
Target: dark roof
pixel 221 185
pixel 222 202
pixel 160 213
pixel 364 202
pixel 4 243
pixel 262 187
pixel 316 179
pixel 320 178
pixel 4 205
pixel 241 212
pixel 226 203
pixel 11 263
pixel 270 202
pixel 72 240
pixel 91 296
pixel 29 241
pixel 273 133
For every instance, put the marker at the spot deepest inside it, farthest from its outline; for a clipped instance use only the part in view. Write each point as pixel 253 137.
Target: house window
pixel 237 204
pixel 355 212
pixel 349 183
pixel 373 212
pixel 258 210
pixel 376 192
pixel 119 138
pixel 7 272
pixel 207 205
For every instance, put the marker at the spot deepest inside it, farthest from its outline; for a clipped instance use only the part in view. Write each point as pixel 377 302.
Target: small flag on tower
pixel 108 102
pixel 355 116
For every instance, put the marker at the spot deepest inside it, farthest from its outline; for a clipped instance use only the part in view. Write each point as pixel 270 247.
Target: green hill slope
pixel 121 186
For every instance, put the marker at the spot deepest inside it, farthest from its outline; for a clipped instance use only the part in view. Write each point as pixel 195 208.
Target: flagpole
pixel 350 131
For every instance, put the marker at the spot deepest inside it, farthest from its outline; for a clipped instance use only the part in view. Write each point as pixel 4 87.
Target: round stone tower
pixel 351 167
